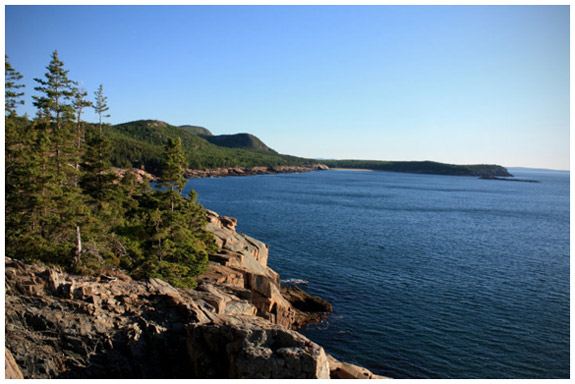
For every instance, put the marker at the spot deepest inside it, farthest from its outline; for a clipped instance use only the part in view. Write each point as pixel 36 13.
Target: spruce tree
pixel 79 104
pixel 56 208
pixel 178 244
pixel 13 124
pixel 12 94
pixel 173 163
pixel 98 180
pixel 56 90
pixel 55 107
pixel 101 106
pixel 17 151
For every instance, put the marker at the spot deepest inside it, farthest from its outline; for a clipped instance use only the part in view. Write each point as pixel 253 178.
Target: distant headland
pixel 140 144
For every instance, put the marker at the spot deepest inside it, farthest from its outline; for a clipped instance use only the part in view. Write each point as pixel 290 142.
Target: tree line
pixel 66 206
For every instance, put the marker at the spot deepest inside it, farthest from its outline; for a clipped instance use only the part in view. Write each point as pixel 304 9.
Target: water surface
pixel 429 276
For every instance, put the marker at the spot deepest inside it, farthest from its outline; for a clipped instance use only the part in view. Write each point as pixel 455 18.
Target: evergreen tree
pixel 55 204
pixel 17 151
pixel 56 90
pixel 13 124
pixel 98 179
pixel 152 233
pixel 79 104
pixel 11 87
pixel 173 163
pixel 101 106
pixel 57 112
pixel 177 244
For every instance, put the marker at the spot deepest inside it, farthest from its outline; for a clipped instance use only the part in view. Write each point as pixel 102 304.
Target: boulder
pixel 341 370
pixel 254 350
pixel 307 308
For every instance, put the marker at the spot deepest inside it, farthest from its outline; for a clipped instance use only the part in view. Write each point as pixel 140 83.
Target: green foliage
pixel 173 163
pixel 200 131
pixel 11 86
pixel 101 106
pixel 141 143
pixel 97 180
pixel 427 167
pixel 65 206
pixel 55 92
pixel 240 140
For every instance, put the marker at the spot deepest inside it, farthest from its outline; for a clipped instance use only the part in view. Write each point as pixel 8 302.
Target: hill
pixel 240 140
pixel 141 143
pixel 426 167
pixel 200 131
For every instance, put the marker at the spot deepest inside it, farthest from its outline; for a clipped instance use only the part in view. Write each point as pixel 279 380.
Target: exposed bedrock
pixel 236 324
pixel 237 171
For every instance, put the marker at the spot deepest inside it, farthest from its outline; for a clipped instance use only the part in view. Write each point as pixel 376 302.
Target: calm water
pixel 429 276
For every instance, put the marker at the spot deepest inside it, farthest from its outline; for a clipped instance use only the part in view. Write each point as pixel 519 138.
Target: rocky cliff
pixel 237 324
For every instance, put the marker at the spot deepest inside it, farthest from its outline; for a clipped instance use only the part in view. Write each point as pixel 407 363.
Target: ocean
pixel 429 276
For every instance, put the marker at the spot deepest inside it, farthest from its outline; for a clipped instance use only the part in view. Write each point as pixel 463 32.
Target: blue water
pixel 429 276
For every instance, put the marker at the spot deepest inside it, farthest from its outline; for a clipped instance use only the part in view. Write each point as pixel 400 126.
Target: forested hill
pixel 200 131
pixel 240 140
pixel 142 143
pixel 426 167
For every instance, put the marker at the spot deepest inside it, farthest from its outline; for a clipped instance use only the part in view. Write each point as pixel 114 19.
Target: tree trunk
pixel 78 250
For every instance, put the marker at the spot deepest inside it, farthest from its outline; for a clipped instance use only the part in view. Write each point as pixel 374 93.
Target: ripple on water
pixel 429 276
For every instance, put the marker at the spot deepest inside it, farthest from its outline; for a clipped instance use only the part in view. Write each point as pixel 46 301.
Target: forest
pixel 141 143
pixel 66 206
pixel 425 167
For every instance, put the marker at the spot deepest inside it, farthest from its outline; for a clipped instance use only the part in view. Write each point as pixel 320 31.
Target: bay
pixel 429 276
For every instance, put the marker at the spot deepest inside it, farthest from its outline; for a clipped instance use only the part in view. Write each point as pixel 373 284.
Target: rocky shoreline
pixel 238 171
pixel 239 323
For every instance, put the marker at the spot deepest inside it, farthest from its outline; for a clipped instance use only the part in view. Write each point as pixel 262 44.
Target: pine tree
pixel 55 204
pixel 57 112
pixel 11 87
pixel 79 103
pixel 154 233
pixel 18 141
pixel 98 179
pixel 56 90
pixel 177 243
pixel 101 106
pixel 13 124
pixel 173 163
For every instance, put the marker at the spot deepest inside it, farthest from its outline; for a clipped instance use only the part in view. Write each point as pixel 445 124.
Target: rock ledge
pixel 237 324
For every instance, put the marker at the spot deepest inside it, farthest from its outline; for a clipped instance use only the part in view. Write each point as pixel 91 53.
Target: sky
pixel 455 84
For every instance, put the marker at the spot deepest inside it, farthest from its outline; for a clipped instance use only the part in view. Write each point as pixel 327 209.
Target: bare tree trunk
pixel 78 250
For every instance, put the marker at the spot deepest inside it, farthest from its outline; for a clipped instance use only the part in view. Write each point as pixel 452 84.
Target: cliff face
pixel 237 324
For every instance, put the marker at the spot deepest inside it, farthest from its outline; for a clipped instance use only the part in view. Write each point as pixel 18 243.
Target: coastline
pixel 238 323
pixel 352 169
pixel 239 171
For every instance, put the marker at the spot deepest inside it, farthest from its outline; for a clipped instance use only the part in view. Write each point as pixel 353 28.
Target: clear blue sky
pixel 456 84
